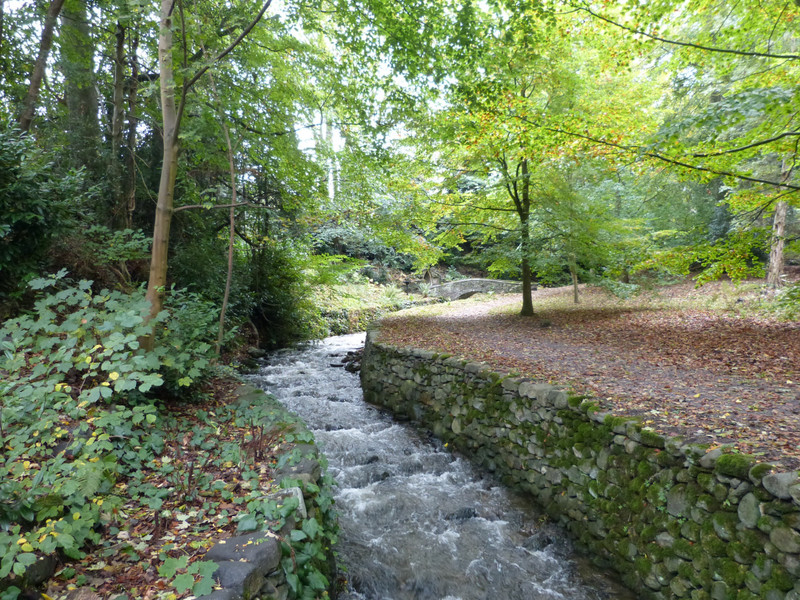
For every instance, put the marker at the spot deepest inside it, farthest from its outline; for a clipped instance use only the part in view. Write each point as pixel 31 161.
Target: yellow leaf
pixel 76 516
pixel 27 548
pixel 113 376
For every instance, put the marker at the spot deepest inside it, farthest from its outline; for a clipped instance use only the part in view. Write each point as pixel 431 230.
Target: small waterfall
pixel 418 522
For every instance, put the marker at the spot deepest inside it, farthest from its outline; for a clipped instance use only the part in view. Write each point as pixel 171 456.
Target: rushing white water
pixel 416 521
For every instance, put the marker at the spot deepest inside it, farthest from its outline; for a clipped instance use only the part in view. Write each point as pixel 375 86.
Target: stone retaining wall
pixel 673 519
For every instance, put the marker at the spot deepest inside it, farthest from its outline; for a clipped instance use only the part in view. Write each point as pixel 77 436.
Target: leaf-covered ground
pixel 717 377
pixel 153 546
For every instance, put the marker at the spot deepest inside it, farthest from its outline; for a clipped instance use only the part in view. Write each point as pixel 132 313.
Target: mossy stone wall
pixel 673 519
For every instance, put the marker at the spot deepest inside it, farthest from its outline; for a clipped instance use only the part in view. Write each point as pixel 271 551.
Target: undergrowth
pixel 116 463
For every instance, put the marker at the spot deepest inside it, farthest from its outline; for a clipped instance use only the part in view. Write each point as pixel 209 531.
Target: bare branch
pixel 192 206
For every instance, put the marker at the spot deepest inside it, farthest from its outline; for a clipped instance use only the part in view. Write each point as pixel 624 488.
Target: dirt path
pixel 713 378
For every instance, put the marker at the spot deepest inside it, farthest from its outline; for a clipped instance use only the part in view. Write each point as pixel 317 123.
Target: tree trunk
pixel 77 60
pixel 117 116
pixel 525 205
pixel 133 90
pixel 231 218
pixel 775 270
pixel 573 271
pixel 37 75
pixel 166 189
pixel 778 240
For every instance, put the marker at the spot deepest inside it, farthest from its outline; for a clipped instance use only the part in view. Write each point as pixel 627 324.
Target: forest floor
pixel 693 362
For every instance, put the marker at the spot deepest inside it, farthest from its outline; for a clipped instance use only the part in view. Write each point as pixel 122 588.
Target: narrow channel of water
pixel 417 522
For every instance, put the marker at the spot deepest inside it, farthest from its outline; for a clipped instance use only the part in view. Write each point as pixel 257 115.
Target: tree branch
pixel 748 146
pixel 232 45
pixel 237 205
pixel 663 158
pixel 687 44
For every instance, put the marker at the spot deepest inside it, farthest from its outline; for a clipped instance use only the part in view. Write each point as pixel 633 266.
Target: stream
pixel 418 522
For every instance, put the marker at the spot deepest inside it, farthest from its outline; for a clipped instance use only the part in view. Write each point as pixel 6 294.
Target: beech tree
pixel 733 71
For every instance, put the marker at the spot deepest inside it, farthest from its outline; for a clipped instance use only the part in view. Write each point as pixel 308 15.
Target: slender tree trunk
pixel 573 271
pixel 775 270
pixel 525 201
pixel 37 75
pixel 527 297
pixel 133 90
pixel 231 217
pixel 171 114
pixel 2 41
pixel 117 117
pixel 166 189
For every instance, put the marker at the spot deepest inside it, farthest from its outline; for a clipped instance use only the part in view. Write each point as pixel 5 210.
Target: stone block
pixel 307 470
pixel 242 578
pixel 785 539
pixel 260 549
pixel 221 595
pixel 749 511
pixel 779 484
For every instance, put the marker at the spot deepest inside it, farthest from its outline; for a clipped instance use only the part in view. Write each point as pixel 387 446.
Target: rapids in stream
pixel 418 522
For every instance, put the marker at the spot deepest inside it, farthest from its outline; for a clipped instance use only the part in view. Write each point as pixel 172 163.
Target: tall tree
pixel 172 111
pixel 37 74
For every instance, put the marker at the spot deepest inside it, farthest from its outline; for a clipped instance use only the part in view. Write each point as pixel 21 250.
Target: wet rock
pixel 462 514
pixel 539 541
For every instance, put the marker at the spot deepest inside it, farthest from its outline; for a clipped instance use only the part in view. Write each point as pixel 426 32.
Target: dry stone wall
pixel 675 520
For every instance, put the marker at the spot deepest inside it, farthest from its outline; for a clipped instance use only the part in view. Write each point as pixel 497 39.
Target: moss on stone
pixel 730 571
pixel 685 549
pixel 779 580
pixel 645 469
pixel 740 552
pixel 757 472
pixel 643 566
pixel 575 401
pixel 754 540
pixel 734 465
pixel 653 439
pixel 715 546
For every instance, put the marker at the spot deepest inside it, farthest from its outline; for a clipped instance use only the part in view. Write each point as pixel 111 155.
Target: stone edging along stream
pixel 673 519
pixel 250 566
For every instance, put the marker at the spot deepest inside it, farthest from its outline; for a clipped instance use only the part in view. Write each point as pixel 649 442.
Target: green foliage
pixel 787 302
pixel 33 209
pixel 76 403
pixel 282 305
pixel 108 257
pixel 736 256
pixel 358 242
pixel 619 289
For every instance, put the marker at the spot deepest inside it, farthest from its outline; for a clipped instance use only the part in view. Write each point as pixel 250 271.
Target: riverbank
pixel 230 462
pixel 675 519
pixel 716 375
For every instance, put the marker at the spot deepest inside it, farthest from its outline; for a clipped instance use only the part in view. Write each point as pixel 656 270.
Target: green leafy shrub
pixel 619 289
pixel 33 209
pixel 110 258
pixel 75 405
pixel 787 302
